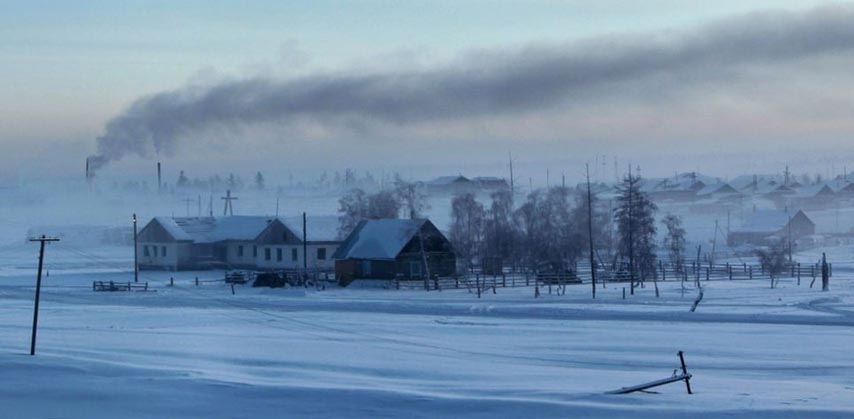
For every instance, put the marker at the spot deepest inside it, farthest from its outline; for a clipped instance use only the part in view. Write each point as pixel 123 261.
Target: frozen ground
pixel 203 352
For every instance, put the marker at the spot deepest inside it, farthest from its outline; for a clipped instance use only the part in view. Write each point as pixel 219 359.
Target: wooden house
pixel 392 248
pixel 765 225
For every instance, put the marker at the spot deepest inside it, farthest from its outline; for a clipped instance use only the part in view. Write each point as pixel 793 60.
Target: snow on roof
pixel 323 228
pixel 379 239
pixel 447 180
pixel 716 188
pixel 214 229
pixel 814 190
pixel 766 221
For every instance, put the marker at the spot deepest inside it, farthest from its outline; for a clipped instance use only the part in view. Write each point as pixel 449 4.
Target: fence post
pixel 750 272
pixel 799 273
pixel 503 280
pixel 624 293
pixel 197 281
pixel 707 274
pixel 729 271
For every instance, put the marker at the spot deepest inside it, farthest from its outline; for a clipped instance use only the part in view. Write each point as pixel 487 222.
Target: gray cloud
pixel 486 83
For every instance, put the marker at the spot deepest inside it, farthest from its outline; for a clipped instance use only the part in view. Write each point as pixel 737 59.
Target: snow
pixel 378 239
pixel 202 352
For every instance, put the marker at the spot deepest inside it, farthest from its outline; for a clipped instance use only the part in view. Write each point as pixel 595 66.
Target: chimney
pixel 159 179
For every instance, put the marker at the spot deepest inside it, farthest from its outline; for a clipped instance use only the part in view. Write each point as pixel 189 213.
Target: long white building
pixel 237 242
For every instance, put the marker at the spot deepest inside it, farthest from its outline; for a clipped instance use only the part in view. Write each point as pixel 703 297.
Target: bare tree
pixel 352 208
pixel 412 198
pixel 773 259
pixel 383 204
pixel 500 233
pixel 674 240
pixel 466 227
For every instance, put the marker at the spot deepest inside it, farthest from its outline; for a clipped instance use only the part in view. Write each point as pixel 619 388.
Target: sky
pixel 426 87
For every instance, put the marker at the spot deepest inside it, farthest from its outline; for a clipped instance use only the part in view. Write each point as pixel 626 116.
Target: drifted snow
pixel 202 352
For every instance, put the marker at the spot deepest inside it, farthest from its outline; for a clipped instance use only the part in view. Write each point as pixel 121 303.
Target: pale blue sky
pixel 68 67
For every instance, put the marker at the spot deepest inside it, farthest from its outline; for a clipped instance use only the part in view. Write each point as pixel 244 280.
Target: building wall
pixel 151 255
pixel 288 262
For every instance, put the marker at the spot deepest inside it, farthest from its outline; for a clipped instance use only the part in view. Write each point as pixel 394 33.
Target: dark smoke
pixel 487 83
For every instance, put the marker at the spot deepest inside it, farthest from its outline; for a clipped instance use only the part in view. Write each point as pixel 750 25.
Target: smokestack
pixel 89 175
pixel 159 178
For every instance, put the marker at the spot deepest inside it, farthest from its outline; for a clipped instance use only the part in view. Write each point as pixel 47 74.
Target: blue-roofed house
pixel 392 248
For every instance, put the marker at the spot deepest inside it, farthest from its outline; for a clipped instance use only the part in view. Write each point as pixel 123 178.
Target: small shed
pixel 392 248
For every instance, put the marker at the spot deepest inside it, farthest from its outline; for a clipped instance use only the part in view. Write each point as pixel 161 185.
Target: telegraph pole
pixel 42 241
pixel 590 232
pixel 135 253
pixel 304 245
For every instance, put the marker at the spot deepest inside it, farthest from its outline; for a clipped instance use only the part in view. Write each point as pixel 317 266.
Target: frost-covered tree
pixel 412 199
pixel 383 204
pixel 547 229
pixel 466 232
pixel 674 240
pixel 500 233
pixel 773 259
pixel 352 208
pixel 259 181
pixel 635 219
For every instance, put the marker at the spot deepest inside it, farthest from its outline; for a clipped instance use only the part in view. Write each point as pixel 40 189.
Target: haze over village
pixel 444 209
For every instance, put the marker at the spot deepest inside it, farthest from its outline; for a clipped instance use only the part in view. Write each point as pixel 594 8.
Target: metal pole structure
pixel 304 245
pixel 42 240
pixel 590 232
pixel 135 253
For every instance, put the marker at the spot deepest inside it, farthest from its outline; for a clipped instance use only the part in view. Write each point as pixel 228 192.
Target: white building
pixel 237 242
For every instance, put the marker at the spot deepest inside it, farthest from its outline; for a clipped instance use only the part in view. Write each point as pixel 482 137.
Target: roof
pixel 814 190
pixel 767 221
pixel 717 188
pixel 447 180
pixel 245 228
pixel 379 239
pixel 214 229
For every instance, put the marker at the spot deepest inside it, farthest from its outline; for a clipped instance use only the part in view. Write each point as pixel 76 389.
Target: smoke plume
pixel 504 82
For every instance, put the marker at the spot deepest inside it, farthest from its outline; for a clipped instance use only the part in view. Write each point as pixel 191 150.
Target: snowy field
pixel 202 352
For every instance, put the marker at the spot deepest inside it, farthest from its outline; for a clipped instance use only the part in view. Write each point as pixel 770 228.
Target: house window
pixel 163 251
pixel 240 250
pixel 266 253
pixel 321 253
pixel 294 255
pixel 145 251
pixel 154 248
pixel 278 254
pixel 254 251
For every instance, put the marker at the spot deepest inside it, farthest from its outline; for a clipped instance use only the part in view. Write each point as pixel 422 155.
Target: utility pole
pixel 135 253
pixel 187 201
pixel 512 183
pixel 42 241
pixel 229 208
pixel 304 244
pixel 590 232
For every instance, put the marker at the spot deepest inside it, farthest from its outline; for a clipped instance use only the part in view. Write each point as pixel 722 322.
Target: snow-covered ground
pixel 203 352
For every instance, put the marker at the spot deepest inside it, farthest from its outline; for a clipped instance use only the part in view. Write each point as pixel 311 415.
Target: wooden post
pixel 171 281
pixel 197 281
pixel 750 272
pixel 825 273
pixel 135 253
pixel 707 274
pixel 624 293
pixel 685 372
pixel 799 273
